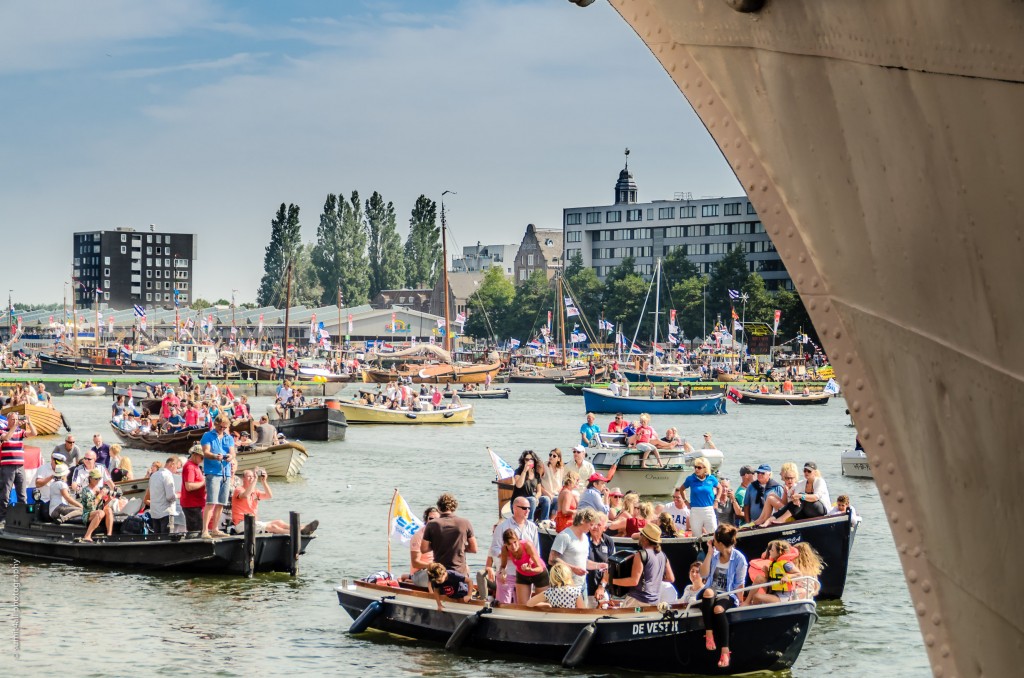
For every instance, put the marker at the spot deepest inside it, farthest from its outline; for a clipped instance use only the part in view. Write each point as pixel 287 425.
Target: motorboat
pixel 356 413
pixel 855 464
pixel 604 401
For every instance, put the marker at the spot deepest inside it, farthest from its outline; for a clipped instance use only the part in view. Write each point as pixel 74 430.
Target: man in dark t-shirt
pixel 757 492
pixel 450 537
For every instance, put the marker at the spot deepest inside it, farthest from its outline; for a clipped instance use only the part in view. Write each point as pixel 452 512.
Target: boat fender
pixel 464 630
pixel 367 617
pixel 119 363
pixel 579 648
pixel 411 415
pixel 449 415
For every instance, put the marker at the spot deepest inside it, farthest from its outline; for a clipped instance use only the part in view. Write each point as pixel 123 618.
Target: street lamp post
pixel 233 310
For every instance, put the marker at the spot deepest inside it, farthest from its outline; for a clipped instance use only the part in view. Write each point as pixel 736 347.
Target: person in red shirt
pixel 193 490
pixel 246 498
pixel 618 424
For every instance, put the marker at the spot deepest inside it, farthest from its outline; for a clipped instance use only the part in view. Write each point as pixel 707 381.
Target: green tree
pixel 306 289
pixel 328 253
pixel 284 246
pixel 759 305
pixel 423 246
pixel 352 265
pixel 199 302
pixel 489 305
pixel 387 266
pixel 730 273
pixel 588 291
pixel 795 318
pixel 624 300
pixel 688 298
pixel 529 308
pixel 676 267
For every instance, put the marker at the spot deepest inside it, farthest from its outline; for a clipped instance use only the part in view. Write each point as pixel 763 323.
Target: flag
pixel 549 322
pixel 110 324
pixel 513 343
pixel 735 315
pixel 142 323
pixel 571 311
pixel 404 525
pixel 349 323
pixel 140 311
pixel 620 339
pixel 734 294
pixel 440 323
pixel 190 323
pixel 175 298
pixel 3 423
pixel 460 318
pixel 672 339
pixel 534 344
pixel 502 468
pixel 778 315
pixel 605 325
pixel 737 326
pixel 569 301
pixel 259 328
pixel 635 349
pixel 577 337
pixel 733 395
pixel 312 329
pixel 831 387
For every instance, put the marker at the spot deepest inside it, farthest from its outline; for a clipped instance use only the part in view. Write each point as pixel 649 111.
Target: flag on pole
pixel 140 311
pixel 259 327
pixel 549 321
pixel 734 294
pixel 737 326
pixel 735 315
pixel 831 387
pixel 175 298
pixel 778 316
pixel 349 323
pixel 578 337
pixel 502 468
pixel 534 344
pixel 110 324
pixel 635 349
pixel 571 312
pixel 513 343
pixel 404 525
pixel 440 323
pixel 312 329
pixel 605 325
pixel 461 319
pixel 3 423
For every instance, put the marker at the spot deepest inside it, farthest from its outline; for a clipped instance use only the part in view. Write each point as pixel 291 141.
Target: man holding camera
pixel 12 460
pixel 96 505
pixel 218 453
pixel 246 499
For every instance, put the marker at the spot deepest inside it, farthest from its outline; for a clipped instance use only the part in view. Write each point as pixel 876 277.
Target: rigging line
pixel 641 320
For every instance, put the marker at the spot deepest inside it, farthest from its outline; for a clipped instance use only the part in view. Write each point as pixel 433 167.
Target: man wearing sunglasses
pixel 526 530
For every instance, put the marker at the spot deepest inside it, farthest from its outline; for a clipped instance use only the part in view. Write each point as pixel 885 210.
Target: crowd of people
pixel 400 395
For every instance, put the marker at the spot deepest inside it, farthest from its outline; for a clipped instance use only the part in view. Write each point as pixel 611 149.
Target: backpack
pixel 137 524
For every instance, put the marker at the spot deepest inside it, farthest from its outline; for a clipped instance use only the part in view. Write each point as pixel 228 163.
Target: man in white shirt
pixel 572 546
pixel 580 466
pixel 526 530
pixel 162 498
pixel 678 509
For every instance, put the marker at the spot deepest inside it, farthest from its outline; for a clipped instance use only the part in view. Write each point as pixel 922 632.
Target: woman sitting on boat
pixel 526 482
pixel 566 501
pixel 530 570
pixel 724 569
pixel 650 568
pixel 550 485
pixel 810 565
pixel 808 501
pixel 628 518
pixel 451 584
pixel 775 570
pixel 667 526
pixel 562 593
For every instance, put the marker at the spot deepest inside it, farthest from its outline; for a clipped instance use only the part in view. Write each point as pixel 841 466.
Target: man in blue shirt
pixel 218 454
pixel 589 431
pixel 175 422
pixel 758 491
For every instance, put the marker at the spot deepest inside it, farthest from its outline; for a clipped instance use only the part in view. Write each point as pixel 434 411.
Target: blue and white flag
pixel 577 337
pixel 513 343
pixel 502 468
pixel 734 294
pixel 831 387
pixel 140 311
pixel 605 325
pixel 404 525
pixel 3 423
pixel 635 348
pixel 534 344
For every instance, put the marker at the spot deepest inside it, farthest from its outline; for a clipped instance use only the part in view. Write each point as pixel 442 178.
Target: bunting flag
pixel 534 344
pixel 350 323
pixel 620 339
pixel 571 312
pixel 142 323
pixel 605 325
pixel 548 328
pixel 312 329
pixel 404 525
pixel 735 315
pixel 569 301
pixel 673 339
pixel 140 311
pixel 259 327
pixel 110 324
pixel 502 468
pixel 460 318
pixel 578 337
pixel 778 316
pixel 513 343
pixel 440 323
pixel 734 294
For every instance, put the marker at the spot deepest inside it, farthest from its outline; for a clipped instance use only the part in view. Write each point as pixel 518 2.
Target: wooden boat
pixel 480 394
pixel 178 442
pixel 280 461
pixel 100 363
pixel 532 374
pixel 312 423
pixel 85 391
pixel 603 401
pixel 364 414
pixel 262 373
pixel 25 535
pixel 752 398
pixel 855 464
pixel 435 373
pixel 767 637
pixel 831 536
pixel 661 373
pixel 46 420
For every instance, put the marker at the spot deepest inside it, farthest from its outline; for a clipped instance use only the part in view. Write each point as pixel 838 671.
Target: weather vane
pixel 627 157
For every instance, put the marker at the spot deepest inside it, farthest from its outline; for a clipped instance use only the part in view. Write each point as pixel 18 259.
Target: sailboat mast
pixel 561 316
pixel 657 309
pixel 74 312
pixel 444 274
pixel 287 307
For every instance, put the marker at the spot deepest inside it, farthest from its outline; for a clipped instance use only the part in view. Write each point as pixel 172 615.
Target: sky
pixel 204 116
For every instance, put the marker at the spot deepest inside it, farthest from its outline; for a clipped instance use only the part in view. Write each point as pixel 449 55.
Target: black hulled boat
pixel 762 637
pixel 25 535
pixel 312 423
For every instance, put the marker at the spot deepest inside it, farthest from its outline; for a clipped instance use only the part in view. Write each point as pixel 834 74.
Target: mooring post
pixel 249 546
pixel 296 541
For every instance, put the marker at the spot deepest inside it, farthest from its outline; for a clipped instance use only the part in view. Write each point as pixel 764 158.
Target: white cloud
pixel 523 109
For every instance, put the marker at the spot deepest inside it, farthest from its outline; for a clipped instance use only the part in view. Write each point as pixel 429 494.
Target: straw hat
pixel 652 533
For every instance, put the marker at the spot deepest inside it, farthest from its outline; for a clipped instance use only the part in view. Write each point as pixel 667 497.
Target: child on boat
pixel 450 583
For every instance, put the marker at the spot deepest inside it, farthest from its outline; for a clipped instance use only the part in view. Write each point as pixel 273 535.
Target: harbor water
pixel 115 623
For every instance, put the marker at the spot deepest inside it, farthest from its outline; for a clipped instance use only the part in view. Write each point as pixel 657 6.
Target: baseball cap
pixel 597 477
pixel 811 465
pixel 580 448
pixel 95 473
pixel 764 468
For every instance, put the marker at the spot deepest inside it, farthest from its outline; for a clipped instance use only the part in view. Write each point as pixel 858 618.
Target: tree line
pixel 502 310
pixel 357 251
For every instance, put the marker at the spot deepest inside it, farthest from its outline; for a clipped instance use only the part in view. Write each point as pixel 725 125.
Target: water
pixel 274 624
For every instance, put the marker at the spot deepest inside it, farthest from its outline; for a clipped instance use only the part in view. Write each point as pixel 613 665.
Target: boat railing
pixel 808 585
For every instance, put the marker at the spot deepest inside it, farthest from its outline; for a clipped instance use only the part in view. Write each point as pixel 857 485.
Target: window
pixel 106 262
pixel 167 262
pixel 167 285
pixel 593 217
pixel 574 236
pixel 167 297
pixel 106 271
pixel 159 273
pixel 158 251
pixel 718 229
pixel 149 238
pixel 642 269
pixel 529 260
pixel 731 209
pixel 149 296
pixel 106 296
pixel 149 250
pixel 613 217
pixel 573 219
pixel 124 237
pixel 167 240
pixel 666 212
pixel 181 275
pixel 181 263
pixel 124 249
pixel 634 215
pixel 650 213
pixel 758 227
pixel 149 274
pixel 688 212
pixel 183 298
pixel 149 284
pixel 522 274
pixel 709 210
pixel 750 208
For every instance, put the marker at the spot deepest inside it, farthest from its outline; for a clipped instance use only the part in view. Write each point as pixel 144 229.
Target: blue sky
pixel 203 116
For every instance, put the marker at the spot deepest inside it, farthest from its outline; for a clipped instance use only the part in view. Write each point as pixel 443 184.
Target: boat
pixel 480 394
pixel 603 401
pixel 177 442
pixel 25 535
pixel 280 461
pixel 938 96
pixel 694 387
pixel 365 414
pixel 177 355
pixel 663 372
pixel 533 374
pixel 85 391
pixel 101 363
pixel 305 374
pixel 855 464
pixel 831 536
pixel 767 637
pixel 757 398
pixel 311 423
pixel 433 366
pixel 647 481
pixel 46 420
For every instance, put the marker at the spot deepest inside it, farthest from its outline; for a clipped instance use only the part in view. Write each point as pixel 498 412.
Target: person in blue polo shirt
pixel 218 453
pixel 589 431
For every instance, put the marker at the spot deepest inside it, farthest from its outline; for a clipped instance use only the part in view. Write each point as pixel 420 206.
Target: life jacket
pixel 761 567
pixel 778 568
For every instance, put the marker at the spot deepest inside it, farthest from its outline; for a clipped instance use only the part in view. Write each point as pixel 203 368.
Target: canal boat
pixel 764 637
pixel 650 480
pixel 757 398
pixel 356 413
pixel 603 401
pixel 855 464
pixel 311 423
pixel 480 394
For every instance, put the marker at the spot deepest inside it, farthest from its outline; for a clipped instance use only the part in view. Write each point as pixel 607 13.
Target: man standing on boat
pixel 218 453
pixel 193 490
pixel 450 537
pixel 12 461
pixel 589 431
pixel 101 450
pixel 526 530
pixel 572 545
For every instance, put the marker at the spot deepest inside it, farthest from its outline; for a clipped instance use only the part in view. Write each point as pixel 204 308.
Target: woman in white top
pixel 550 486
pixel 809 500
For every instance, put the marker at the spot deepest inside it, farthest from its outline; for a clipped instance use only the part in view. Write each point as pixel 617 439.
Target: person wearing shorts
pixel 218 453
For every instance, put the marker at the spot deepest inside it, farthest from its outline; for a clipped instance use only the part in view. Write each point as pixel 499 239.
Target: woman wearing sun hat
pixel 650 569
